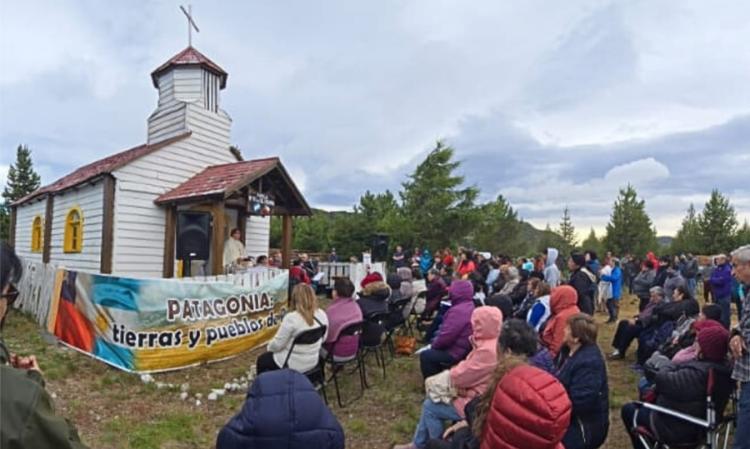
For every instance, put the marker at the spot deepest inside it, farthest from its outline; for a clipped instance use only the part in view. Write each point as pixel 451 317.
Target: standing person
pixel 551 272
pixel 705 272
pixel 739 346
pixel 604 287
pixel 721 288
pixel 615 281
pixel 305 316
pixel 399 259
pixel 642 284
pixel 448 258
pixel 583 281
pixel 674 279
pixel 342 312
pixel 425 262
pixel 297 274
pixel 27 415
pixel 583 373
pixel 436 289
pixel 234 250
pixel 691 274
pixel 333 257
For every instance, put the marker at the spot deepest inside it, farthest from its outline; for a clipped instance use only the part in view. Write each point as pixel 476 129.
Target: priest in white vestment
pixel 234 250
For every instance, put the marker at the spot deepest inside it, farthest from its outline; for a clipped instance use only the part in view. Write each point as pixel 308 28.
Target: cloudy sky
pixel 547 103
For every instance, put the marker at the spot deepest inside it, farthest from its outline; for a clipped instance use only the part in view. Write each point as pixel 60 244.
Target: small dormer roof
pixel 190 56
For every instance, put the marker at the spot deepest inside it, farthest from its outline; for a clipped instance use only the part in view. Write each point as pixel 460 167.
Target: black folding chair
pixel 352 330
pixel 396 322
pixel 716 428
pixel 368 348
pixel 413 315
pixel 317 374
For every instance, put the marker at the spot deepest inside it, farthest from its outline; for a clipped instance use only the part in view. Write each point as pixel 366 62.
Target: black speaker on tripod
pixel 379 247
pixel 193 237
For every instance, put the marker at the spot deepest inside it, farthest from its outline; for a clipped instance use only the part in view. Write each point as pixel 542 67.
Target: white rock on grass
pixel 183 395
pixel 227 386
pixel 185 387
pixel 219 391
pixel 198 403
pixel 147 378
pixel 198 396
pixel 244 386
pixel 213 396
pixel 160 385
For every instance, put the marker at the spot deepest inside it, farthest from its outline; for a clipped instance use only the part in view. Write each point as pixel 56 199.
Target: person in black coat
pixel 683 387
pixel 583 373
pixel 282 410
pixel 373 300
pixel 584 281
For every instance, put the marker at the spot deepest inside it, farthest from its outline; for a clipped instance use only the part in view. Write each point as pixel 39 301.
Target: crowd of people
pixel 510 355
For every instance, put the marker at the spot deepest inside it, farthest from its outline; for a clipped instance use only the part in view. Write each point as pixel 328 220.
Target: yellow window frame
pixel 73 238
pixel 37 234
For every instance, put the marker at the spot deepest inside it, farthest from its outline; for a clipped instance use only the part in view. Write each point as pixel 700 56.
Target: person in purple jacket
pixel 721 288
pixel 451 345
pixel 342 312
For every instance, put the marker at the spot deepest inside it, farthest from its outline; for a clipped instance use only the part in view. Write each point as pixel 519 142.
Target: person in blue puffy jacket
pixel 614 278
pixel 282 411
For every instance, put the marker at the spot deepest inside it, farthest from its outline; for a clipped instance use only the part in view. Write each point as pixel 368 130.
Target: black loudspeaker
pixel 193 235
pixel 380 247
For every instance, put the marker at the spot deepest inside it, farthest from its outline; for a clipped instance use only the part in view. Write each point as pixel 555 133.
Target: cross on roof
pixel 191 23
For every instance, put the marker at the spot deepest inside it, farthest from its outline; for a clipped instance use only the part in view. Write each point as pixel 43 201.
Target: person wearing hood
pixel 583 281
pixel 451 344
pixel 563 304
pixel 583 373
pixel 425 261
pixel 282 410
pixel 642 284
pixel 652 257
pixel 540 311
pixel 373 300
pixel 551 272
pixel 682 387
pixel 470 378
pixel 721 288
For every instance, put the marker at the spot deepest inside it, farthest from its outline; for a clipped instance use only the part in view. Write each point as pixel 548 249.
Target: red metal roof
pixel 219 180
pixel 100 167
pixel 190 56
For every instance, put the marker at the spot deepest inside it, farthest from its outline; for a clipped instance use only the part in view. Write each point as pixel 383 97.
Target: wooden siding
pixel 89 199
pixel 139 223
pixel 257 235
pixel 24 219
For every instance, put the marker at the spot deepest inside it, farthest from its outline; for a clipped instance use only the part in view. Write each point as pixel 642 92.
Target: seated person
pixel 469 378
pixel 522 310
pixel 282 411
pixel 583 373
pixel 373 300
pixel 372 276
pixel 305 315
pixel 436 289
pixel 629 330
pixel 502 302
pixel 540 310
pixel 342 312
pixel 28 416
pixel 683 388
pixel 524 406
pixel 667 318
pixel 710 316
pixel 451 344
pixel 563 304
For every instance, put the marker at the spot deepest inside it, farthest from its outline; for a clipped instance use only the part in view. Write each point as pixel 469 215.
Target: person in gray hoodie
pixel 674 280
pixel 551 272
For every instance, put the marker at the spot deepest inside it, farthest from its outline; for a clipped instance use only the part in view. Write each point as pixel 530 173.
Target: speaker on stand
pixel 380 247
pixel 193 238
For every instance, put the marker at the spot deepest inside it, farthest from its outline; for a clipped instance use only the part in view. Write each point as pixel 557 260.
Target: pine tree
pixel 567 230
pixel 593 243
pixel 22 180
pixel 629 229
pixel 717 224
pixel 687 239
pixel 436 205
pixel 743 235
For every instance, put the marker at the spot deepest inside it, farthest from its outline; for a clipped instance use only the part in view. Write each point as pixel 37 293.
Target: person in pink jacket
pixel 470 378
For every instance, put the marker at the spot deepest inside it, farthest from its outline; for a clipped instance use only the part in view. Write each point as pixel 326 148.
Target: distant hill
pixel 664 241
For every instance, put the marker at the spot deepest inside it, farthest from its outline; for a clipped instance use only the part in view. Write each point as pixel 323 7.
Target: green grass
pixel 112 408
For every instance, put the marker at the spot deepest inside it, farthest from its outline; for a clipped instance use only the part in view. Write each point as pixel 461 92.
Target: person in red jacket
pixel 563 304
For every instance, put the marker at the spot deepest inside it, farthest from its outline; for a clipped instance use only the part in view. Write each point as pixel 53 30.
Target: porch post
pixel 170 233
pixel 217 239
pixel 286 241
